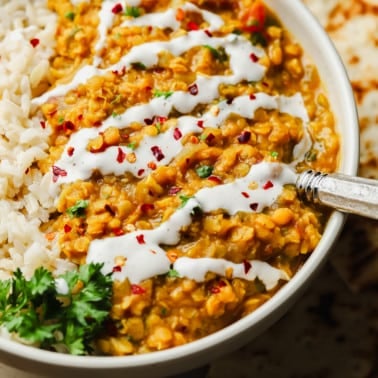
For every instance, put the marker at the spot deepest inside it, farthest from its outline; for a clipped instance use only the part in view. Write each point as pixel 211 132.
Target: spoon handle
pixel 346 193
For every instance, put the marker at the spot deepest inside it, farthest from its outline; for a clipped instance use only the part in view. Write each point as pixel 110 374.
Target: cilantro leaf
pixel 132 11
pixel 173 273
pixel 184 199
pixel 218 54
pixel 37 313
pixel 159 93
pixel 204 171
pixel 78 210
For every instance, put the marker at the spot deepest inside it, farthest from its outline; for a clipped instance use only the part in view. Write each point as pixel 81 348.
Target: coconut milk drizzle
pixel 81 164
pixel 144 258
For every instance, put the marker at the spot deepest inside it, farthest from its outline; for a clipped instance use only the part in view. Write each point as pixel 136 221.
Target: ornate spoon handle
pixel 346 193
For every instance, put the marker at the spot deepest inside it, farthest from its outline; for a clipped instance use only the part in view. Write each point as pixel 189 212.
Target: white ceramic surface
pixel 318 46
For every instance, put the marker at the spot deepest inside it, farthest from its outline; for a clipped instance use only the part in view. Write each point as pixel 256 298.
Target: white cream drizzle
pixel 82 163
pixel 145 258
pixel 237 47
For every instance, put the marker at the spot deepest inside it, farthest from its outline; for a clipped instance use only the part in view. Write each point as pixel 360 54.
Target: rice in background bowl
pixel 201 351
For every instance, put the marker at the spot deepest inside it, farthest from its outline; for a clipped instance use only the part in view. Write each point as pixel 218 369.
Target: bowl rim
pixel 348 165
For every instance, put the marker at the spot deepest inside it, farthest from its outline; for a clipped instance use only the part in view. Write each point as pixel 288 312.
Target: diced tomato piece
pixel 254 18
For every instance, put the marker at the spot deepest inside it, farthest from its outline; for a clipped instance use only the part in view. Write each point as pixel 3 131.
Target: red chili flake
pixel 210 138
pixel 265 84
pixel 146 207
pixel 116 269
pixel 148 88
pixel 254 206
pixel 214 290
pixel 43 124
pixel 149 121
pixel 247 266
pixel 149 28
pixel 156 151
pixel 208 32
pixel 193 89
pixel 68 126
pixel 252 96
pixel 67 228
pixel 254 57
pixel 244 137
pixel 117 8
pixel 34 42
pixel 118 231
pixel 215 179
pixel 152 165
pixel 140 239
pixel 140 172
pixel 192 26
pixel 268 185
pixel 121 156
pixel 58 172
pixel 70 151
pixel 200 123
pixel 153 252
pixel 245 194
pixel 97 124
pixel 174 190
pixel 136 289
pixel 177 134
pixel 160 119
pixel 80 117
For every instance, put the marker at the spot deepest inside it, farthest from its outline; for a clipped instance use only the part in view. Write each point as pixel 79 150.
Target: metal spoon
pixel 349 194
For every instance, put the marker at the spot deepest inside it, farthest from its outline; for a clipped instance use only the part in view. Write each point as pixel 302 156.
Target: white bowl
pixel 320 49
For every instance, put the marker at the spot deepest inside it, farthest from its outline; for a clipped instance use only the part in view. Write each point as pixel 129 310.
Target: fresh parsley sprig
pixel 38 313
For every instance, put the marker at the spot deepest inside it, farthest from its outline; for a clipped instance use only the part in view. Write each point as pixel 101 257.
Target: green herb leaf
pixel 70 16
pixel 204 171
pixel 132 146
pixel 132 11
pixel 219 54
pixel 60 120
pixel 173 273
pixel 274 154
pixel 78 210
pixel 165 94
pixel 258 39
pixel 138 66
pixel 39 314
pixel 184 199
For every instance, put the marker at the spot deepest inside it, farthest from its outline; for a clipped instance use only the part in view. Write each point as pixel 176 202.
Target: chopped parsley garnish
pixel 138 66
pixel 38 313
pixel 184 199
pixel 70 16
pixel 132 145
pixel 116 115
pixel 218 54
pixel 78 210
pixel 132 11
pixel 258 38
pixel 60 120
pixel 159 93
pixel 274 154
pixel 204 171
pixel 172 273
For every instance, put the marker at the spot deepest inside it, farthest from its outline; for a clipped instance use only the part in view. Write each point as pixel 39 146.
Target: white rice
pixel 24 203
